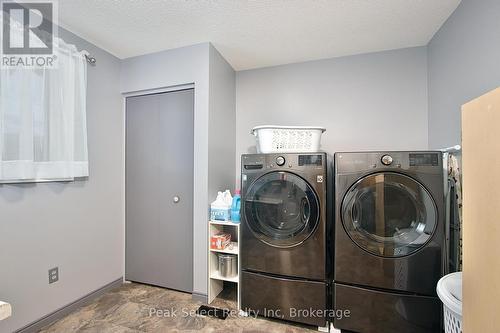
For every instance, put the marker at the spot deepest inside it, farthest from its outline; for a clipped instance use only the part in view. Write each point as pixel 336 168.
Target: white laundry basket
pixel 449 290
pixel 287 139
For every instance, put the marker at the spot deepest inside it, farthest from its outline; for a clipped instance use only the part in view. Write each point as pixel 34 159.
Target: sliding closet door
pixel 159 189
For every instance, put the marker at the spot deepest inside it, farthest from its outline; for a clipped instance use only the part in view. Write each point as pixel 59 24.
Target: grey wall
pixel 464 63
pixel 77 226
pixel 371 101
pixel 222 125
pixel 213 111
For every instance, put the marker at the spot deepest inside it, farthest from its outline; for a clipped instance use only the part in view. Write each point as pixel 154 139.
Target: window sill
pixel 34 181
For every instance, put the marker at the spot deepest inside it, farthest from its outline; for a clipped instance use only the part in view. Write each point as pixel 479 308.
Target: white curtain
pixel 43 130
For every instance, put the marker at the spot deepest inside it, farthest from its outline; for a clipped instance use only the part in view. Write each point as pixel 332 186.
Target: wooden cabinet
pixel 481 213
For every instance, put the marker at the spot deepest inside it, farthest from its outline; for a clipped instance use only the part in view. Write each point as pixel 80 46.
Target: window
pixel 43 131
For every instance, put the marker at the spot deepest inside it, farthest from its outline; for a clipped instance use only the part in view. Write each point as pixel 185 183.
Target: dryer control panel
pixel 424 159
pixel 258 162
pixel 421 161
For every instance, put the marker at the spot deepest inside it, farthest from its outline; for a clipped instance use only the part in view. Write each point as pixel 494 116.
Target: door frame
pixel 147 92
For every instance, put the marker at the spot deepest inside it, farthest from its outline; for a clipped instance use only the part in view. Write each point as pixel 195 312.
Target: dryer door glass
pixel 389 214
pixel 281 209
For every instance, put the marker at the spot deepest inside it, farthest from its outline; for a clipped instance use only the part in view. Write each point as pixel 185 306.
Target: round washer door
pixel 281 209
pixel 389 214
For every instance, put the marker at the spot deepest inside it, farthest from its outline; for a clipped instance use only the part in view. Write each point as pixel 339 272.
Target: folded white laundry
pixel 5 310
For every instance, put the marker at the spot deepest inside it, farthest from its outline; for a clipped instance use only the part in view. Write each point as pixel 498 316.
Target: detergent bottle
pixel 235 207
pixel 219 209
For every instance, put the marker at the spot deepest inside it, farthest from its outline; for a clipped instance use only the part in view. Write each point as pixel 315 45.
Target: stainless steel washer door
pixel 389 214
pixel 281 209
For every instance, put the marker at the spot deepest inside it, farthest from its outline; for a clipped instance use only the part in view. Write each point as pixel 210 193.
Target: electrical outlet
pixel 53 275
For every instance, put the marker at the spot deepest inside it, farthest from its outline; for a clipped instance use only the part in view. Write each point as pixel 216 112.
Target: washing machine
pixel 283 236
pixel 389 241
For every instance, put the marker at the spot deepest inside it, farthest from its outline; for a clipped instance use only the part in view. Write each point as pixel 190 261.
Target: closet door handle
pixel 176 199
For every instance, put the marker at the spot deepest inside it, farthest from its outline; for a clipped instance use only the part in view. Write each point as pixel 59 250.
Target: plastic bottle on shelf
pixel 228 198
pixel 235 207
pixel 219 209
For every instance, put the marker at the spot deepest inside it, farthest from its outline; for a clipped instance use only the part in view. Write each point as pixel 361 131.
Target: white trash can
pixel 449 290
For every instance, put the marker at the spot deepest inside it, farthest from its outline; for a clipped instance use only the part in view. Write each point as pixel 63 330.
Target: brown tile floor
pixel 128 308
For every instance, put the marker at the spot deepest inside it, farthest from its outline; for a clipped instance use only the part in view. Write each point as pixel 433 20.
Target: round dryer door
pixel 281 209
pixel 389 214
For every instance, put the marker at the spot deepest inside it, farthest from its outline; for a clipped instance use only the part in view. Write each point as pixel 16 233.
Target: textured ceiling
pixel 256 33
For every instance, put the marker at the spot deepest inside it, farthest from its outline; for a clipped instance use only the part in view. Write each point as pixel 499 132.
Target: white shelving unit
pixel 215 281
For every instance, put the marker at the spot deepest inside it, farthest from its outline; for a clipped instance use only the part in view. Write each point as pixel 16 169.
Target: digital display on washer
pixel 310 160
pixel 424 159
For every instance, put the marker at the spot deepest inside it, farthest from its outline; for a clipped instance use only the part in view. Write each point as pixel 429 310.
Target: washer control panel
pixel 255 162
pixel 314 160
